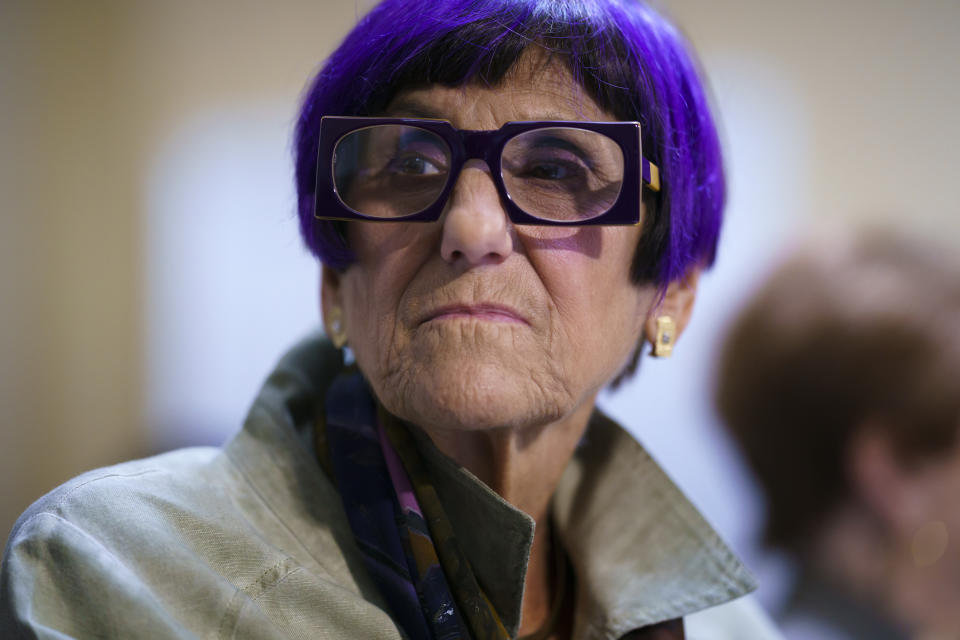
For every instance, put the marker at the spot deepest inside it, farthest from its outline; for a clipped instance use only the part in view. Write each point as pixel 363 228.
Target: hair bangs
pixel 625 56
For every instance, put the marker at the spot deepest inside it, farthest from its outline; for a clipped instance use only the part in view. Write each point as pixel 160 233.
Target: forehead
pixel 537 87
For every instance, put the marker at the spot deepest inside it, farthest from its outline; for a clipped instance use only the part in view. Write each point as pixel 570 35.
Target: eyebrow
pixel 412 108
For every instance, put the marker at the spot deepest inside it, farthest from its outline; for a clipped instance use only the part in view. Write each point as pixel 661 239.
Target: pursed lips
pixel 483 311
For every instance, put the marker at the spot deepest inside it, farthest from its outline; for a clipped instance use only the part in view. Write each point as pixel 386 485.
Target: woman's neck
pixel 524 467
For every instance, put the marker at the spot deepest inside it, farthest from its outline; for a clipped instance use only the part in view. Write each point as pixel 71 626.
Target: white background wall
pixel 150 270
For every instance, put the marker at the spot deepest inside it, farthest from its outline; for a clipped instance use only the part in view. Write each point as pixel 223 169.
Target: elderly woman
pixel 509 198
pixel 841 382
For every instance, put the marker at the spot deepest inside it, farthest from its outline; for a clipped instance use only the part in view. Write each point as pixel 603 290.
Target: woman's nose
pixel 476 229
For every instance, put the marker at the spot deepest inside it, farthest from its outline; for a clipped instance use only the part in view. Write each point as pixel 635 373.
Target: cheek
pixel 588 275
pixel 599 312
pixel 373 286
pixel 388 256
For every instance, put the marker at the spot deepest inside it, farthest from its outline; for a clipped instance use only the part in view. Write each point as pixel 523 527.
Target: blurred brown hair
pixel 854 330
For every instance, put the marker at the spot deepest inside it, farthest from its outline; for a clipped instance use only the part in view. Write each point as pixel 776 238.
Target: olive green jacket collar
pixel 640 551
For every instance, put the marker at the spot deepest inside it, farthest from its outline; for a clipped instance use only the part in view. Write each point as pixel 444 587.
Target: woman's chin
pixel 473 396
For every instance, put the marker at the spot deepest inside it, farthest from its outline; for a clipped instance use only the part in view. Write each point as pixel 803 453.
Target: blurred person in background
pixel 511 200
pixel 841 383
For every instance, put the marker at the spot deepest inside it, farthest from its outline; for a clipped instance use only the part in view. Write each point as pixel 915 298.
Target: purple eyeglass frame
pixel 488 146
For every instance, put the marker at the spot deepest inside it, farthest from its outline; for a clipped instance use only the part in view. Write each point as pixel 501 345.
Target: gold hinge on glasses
pixel 654 177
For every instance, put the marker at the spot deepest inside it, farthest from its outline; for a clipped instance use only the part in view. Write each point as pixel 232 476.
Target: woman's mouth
pixel 483 312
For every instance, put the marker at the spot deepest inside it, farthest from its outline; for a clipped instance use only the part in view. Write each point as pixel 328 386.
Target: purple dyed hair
pixel 630 59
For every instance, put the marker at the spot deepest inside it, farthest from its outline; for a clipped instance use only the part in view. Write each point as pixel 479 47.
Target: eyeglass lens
pixel 562 174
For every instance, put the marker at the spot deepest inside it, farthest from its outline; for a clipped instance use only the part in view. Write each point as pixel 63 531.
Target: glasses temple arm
pixel 650 174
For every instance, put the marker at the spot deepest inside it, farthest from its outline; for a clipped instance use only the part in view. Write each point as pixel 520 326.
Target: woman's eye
pixel 547 172
pixel 554 170
pixel 414 165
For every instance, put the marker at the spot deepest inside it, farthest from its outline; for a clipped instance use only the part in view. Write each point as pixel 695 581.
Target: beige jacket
pixel 251 541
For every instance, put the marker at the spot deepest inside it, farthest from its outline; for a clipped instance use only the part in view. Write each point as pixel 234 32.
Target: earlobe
pixel 331 305
pixel 664 336
pixel 668 318
pixel 329 288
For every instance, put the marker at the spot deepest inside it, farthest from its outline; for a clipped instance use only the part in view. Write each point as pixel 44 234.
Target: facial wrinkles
pixel 563 281
pixel 531 90
pixel 504 285
pixel 420 287
pixel 621 311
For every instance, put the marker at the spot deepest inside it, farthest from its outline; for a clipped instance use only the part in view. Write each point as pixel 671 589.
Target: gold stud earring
pixel 335 329
pixel 666 336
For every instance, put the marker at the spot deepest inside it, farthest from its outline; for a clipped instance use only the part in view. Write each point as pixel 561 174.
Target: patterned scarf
pixel 421 572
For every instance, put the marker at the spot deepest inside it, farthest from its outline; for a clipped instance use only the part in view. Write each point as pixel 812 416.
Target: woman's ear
pixel 330 294
pixel 677 303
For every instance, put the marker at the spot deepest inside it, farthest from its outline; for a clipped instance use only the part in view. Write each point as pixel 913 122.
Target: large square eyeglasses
pixel 546 172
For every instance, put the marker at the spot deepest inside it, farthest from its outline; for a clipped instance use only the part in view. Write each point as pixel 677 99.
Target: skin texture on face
pixel 471 322
pixel 495 338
